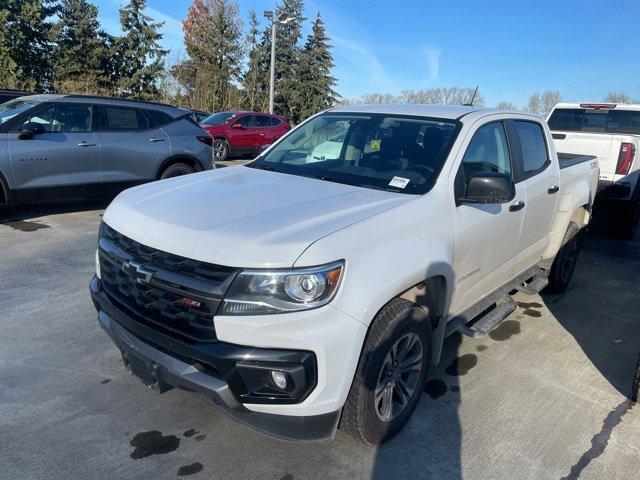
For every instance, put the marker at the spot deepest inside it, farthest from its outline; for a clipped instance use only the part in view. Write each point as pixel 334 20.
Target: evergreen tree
pixel 25 49
pixel 212 34
pixel 81 50
pixel 255 81
pixel 9 71
pixel 316 82
pixel 140 59
pixel 288 51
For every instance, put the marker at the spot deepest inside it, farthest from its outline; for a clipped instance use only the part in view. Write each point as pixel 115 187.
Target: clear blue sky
pixel 510 49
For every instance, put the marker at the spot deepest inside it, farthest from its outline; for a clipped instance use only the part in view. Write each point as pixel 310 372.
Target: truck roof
pixel 452 112
pixel 620 106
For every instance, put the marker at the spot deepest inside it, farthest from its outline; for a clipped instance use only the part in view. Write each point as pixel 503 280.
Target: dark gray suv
pixel 67 146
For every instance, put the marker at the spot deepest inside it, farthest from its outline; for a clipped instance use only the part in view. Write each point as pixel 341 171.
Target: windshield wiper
pixel 263 166
pixel 330 179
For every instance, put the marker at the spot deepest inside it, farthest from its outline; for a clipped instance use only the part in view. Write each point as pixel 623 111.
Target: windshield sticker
pixel 375 145
pixel 399 182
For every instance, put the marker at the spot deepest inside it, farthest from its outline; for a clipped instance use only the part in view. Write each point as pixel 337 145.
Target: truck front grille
pixel 173 294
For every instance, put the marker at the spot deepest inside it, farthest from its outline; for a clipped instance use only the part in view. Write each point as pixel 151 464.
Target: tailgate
pixel 605 146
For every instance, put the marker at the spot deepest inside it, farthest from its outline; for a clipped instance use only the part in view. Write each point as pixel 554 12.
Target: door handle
pixel 87 144
pixel 553 189
pixel 514 207
pixel 156 139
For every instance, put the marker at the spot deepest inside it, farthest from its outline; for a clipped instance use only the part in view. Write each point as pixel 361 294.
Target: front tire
pixel 391 373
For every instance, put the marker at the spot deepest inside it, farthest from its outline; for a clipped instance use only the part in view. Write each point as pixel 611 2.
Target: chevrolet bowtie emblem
pixel 136 272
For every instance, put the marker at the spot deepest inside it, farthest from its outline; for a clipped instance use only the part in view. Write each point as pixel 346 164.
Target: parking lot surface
pixel 544 396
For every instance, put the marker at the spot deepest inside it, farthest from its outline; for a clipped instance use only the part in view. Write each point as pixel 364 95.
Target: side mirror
pixel 489 187
pixel 30 130
pixel 237 125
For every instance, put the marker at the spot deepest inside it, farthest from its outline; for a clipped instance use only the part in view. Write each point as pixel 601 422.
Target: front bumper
pixel 220 372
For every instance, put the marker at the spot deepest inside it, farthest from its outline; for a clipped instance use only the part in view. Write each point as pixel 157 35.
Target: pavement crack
pixel 600 440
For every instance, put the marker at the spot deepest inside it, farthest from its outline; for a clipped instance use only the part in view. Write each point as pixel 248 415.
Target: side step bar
pixel 534 286
pixel 531 281
pixel 491 319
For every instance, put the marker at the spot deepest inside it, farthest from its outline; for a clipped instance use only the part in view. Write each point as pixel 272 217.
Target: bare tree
pixel 617 97
pixel 549 99
pixel 542 104
pixel 504 105
pixel 441 95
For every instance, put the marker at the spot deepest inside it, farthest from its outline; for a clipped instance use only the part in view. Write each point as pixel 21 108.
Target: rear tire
pixel 623 220
pixel 391 373
pixel 176 170
pixel 565 262
pixel 220 149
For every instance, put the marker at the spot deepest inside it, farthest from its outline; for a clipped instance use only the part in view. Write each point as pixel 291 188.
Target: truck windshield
pixel 10 109
pixel 387 152
pixel 592 120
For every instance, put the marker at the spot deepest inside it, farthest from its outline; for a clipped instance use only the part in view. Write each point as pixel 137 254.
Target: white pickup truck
pixel 611 132
pixel 299 293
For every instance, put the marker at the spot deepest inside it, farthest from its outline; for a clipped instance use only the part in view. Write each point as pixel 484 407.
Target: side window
pixel 157 118
pixel 262 121
pixel 533 146
pixel 117 119
pixel 62 118
pixel 246 121
pixel 275 121
pixel 488 151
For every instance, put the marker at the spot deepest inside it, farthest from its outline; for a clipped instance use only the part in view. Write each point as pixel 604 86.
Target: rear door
pixel 539 177
pixel 267 133
pixel 62 162
pixel 132 149
pixel 486 235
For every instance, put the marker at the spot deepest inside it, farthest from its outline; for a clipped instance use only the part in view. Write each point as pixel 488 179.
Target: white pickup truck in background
pixel 316 285
pixel 611 132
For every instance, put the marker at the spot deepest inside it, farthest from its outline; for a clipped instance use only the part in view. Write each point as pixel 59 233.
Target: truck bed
pixel 570 159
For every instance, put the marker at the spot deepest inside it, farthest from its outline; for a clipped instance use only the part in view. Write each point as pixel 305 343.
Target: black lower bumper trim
pixel 162 369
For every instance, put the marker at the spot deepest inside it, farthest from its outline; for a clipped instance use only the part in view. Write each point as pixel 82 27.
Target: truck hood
pixel 242 217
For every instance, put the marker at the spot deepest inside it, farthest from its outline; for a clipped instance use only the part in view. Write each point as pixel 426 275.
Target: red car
pixel 243 133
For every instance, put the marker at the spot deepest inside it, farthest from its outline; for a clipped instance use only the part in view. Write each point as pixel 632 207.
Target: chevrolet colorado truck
pixel 611 132
pixel 302 294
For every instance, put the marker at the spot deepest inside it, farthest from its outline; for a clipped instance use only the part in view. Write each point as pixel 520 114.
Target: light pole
pixel 282 19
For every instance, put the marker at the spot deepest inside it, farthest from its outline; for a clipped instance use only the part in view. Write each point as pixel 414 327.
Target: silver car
pixel 70 146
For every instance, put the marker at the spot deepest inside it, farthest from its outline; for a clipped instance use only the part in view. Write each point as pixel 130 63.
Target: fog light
pixel 98 272
pixel 279 379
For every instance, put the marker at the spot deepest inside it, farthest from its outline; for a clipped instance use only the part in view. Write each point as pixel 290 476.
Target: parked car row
pixel 70 146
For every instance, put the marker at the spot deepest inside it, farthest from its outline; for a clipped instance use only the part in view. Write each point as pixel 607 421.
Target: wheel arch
pixel 179 158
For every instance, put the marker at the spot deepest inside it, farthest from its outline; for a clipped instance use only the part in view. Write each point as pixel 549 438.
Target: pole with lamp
pixel 281 19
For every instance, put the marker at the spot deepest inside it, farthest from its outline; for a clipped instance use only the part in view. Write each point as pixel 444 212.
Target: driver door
pixel 486 235
pixel 243 135
pixel 63 161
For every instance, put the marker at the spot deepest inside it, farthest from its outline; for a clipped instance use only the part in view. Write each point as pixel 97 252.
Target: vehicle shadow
pixel 605 322
pixel 24 213
pixel 429 447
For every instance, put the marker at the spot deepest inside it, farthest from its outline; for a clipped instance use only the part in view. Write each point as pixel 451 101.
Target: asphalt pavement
pixel 544 396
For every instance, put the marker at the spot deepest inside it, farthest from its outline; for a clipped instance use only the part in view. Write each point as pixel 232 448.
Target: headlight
pixel 259 292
